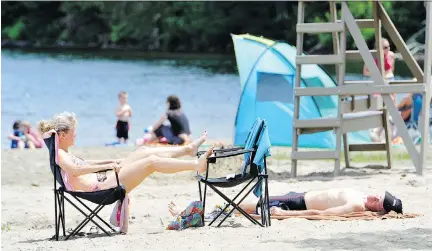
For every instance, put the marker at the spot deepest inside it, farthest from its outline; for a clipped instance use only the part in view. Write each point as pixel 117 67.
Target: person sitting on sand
pixel 33 138
pixel 132 170
pixel 17 137
pixel 178 133
pixel 333 201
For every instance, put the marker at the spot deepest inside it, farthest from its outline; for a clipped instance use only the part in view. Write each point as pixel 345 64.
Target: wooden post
pixel 425 112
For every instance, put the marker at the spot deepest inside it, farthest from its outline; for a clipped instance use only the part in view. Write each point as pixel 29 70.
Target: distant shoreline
pixel 130 52
pixel 125 51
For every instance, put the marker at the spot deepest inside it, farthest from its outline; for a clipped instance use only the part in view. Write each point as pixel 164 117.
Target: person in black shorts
pixel 123 113
pixel 178 132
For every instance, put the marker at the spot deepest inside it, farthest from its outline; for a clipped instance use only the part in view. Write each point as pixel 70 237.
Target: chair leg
pixel 267 201
pixel 88 218
pixel 60 218
pixel 204 203
pixel 201 200
pixel 56 215
pixel 223 210
pixel 64 226
pixel 97 216
pixel 346 150
pixel 236 205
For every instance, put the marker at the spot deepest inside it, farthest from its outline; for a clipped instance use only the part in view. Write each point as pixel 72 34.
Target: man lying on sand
pixel 334 201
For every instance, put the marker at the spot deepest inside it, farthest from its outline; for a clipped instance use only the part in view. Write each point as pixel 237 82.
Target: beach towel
pixel 190 217
pixel 368 215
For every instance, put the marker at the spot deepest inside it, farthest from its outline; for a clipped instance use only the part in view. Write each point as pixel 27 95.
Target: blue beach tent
pixel 267 75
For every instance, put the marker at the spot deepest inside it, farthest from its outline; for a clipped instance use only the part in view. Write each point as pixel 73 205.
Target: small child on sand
pixel 123 113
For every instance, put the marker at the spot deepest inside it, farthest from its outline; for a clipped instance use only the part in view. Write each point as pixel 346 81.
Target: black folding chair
pixel 254 176
pixel 101 198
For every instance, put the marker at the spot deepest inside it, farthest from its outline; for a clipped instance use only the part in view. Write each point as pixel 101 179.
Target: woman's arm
pixel 160 121
pixel 107 161
pixel 366 71
pixel 66 163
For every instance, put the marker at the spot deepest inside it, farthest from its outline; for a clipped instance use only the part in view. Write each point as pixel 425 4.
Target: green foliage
pixel 14 32
pixel 183 26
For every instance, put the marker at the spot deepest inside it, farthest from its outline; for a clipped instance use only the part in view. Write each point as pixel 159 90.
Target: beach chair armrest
pixel 230 154
pixel 221 150
pixel 102 171
pixel 106 170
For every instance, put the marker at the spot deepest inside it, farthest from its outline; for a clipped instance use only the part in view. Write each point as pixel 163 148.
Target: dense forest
pixel 178 26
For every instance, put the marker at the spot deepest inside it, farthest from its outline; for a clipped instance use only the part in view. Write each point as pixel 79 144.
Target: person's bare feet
pixel 202 161
pixel 192 148
pixel 173 209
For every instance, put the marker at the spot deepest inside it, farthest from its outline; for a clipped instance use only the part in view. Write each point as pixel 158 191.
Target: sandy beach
pixel 28 212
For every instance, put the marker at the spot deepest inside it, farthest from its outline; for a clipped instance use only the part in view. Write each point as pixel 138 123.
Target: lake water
pixel 36 85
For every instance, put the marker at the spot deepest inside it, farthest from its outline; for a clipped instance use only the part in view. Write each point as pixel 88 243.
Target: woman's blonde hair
pixel 62 122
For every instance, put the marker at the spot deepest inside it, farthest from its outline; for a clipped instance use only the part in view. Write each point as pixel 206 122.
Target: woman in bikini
pixel 132 170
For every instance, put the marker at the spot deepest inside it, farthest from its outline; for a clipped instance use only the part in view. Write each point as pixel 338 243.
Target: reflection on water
pixel 36 85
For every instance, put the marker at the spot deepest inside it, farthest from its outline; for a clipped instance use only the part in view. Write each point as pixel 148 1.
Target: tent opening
pixel 275 87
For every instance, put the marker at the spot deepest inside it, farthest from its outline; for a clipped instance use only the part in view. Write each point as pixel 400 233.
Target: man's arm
pixel 341 210
pixel 345 209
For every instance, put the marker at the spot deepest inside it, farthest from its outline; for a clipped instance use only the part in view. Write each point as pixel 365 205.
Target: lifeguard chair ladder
pixel 359 114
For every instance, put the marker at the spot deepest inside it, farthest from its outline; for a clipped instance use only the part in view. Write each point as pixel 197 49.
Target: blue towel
pixel 250 141
pixel 263 151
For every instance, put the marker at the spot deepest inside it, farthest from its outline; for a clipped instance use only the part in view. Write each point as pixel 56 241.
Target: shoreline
pixel 133 51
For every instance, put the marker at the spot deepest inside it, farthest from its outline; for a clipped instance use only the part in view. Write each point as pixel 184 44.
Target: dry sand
pixel 27 209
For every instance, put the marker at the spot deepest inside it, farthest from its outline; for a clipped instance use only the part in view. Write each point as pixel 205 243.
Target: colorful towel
pixel 190 217
pixel 368 215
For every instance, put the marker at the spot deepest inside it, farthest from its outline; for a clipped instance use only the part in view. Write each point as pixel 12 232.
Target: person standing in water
pixel 123 114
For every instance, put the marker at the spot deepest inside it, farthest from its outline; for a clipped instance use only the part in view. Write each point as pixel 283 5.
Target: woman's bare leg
pixel 165 152
pixel 133 174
